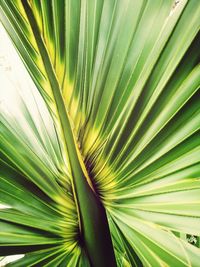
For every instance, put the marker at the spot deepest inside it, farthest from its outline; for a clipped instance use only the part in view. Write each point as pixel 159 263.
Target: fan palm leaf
pixel 107 173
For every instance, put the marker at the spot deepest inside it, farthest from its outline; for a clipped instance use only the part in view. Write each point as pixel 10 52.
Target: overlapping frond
pixel 35 184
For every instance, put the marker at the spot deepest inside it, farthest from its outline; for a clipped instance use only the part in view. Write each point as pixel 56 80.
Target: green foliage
pixel 120 81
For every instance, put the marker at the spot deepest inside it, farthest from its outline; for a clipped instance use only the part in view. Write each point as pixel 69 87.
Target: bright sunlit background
pixel 15 80
pixel 7 70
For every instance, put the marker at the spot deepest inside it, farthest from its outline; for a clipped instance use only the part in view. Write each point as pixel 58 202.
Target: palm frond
pixel 120 80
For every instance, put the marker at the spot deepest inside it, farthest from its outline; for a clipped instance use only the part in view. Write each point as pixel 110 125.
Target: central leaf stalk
pixel 92 215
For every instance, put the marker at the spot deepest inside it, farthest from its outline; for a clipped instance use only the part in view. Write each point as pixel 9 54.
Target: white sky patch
pixel 9 68
pixel 17 85
pixel 15 80
pixel 9 259
pixel 2 206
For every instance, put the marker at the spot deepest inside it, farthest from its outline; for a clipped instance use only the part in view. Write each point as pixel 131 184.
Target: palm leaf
pixel 120 80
